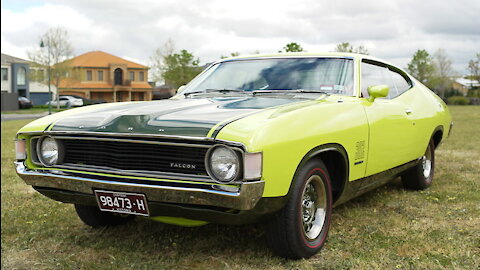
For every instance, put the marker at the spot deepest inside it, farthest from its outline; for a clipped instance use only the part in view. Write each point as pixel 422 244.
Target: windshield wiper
pixel 224 90
pixel 215 90
pixel 290 91
pixel 192 93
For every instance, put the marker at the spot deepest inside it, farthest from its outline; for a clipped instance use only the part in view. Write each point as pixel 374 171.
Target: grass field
pixel 388 228
pixel 34 110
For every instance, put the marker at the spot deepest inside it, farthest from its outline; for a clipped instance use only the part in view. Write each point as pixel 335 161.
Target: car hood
pixel 177 117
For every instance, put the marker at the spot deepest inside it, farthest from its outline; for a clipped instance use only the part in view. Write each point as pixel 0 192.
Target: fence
pixel 9 101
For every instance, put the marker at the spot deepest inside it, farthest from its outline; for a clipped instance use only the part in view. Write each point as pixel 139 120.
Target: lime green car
pixel 279 139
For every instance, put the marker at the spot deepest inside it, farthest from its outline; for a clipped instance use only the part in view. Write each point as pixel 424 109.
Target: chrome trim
pixel 142 135
pixel 245 199
pixel 130 135
pixel 137 173
pixel 238 147
pixel 129 141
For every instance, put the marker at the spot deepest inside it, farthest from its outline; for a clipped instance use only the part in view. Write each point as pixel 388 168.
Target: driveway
pixel 8 117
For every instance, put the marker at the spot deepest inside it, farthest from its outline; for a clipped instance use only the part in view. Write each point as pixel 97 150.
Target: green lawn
pixel 388 228
pixel 33 110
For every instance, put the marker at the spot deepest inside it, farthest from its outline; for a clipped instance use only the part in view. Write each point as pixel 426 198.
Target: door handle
pixel 408 111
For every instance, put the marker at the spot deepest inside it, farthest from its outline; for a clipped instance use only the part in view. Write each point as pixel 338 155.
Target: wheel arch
pixel 437 136
pixel 335 158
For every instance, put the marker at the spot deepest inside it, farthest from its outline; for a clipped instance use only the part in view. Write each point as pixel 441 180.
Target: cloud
pixel 390 29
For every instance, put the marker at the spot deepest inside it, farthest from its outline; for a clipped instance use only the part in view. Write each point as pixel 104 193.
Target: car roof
pixel 310 54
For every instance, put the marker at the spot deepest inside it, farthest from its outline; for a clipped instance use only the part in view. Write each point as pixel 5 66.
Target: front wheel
pixel 92 216
pixel 421 176
pixel 300 229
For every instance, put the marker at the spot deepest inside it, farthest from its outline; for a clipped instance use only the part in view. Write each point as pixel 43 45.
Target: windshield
pixel 330 75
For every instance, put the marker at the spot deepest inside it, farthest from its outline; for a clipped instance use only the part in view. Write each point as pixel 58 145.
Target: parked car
pixel 67 101
pixel 279 139
pixel 87 101
pixel 24 103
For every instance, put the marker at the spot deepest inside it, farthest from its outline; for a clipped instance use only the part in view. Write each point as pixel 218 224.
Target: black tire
pixel 420 177
pixel 92 216
pixel 288 233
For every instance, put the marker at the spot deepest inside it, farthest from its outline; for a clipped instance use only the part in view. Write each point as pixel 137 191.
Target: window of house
pixel 142 76
pixel 132 76
pixel 21 76
pixel 89 75
pixel 4 74
pixel 100 75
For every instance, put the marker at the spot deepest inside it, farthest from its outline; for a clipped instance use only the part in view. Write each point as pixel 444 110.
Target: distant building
pixel 103 76
pixel 39 94
pixel 463 85
pixel 15 75
pixel 163 92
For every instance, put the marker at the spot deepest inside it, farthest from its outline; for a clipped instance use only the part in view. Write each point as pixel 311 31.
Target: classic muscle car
pixel 279 139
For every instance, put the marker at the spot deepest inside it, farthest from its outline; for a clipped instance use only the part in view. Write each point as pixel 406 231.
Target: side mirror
pixel 377 91
pixel 180 89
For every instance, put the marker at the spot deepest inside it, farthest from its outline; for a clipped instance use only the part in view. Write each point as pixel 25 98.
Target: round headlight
pixel 223 164
pixel 49 151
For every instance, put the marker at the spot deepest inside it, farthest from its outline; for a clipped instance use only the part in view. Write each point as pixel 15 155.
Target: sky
pixel 390 29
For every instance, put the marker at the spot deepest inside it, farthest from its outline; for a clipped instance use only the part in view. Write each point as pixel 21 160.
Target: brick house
pixel 103 76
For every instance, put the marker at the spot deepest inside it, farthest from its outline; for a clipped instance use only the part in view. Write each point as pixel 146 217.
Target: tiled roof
pixel 101 59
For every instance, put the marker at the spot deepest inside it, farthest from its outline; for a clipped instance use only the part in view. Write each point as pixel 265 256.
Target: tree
pixel 233 54
pixel 53 54
pixel 474 68
pixel 292 47
pixel 421 66
pixel 348 48
pixel 442 77
pixel 180 68
pixel 157 60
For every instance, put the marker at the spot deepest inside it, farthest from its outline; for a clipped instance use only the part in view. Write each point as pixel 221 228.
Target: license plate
pixel 122 202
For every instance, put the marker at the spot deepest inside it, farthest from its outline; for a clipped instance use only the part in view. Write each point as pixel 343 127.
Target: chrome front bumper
pixel 245 198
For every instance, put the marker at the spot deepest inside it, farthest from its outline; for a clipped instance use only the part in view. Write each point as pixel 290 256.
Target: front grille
pixel 135 156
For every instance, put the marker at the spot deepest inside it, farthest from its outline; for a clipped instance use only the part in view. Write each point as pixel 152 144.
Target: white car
pixel 67 101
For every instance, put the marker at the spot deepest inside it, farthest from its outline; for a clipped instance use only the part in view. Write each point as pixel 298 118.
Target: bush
pixel 452 93
pixel 458 100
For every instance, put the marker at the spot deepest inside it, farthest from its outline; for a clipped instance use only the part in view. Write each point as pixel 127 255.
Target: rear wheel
pixel 300 229
pixel 92 216
pixel 421 176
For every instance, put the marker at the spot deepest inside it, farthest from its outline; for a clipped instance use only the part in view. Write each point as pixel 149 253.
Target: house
pixel 463 85
pixel 15 75
pixel 39 92
pixel 102 76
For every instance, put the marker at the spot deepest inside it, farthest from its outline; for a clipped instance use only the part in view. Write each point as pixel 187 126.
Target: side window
pixel 399 81
pixel 374 75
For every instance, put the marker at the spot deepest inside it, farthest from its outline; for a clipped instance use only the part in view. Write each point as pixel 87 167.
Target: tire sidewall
pixel 428 180
pixel 310 247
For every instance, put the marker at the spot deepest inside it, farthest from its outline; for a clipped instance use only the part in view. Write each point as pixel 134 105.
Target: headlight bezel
pixel 60 152
pixel 239 155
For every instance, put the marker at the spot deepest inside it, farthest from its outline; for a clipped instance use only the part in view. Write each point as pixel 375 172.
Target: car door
pixel 391 129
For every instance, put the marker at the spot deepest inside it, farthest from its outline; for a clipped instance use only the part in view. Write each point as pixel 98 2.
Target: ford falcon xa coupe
pixel 279 139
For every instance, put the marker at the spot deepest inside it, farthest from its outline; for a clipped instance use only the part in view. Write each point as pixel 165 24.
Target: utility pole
pixel 42 45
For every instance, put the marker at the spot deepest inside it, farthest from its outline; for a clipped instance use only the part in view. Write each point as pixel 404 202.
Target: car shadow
pixel 233 242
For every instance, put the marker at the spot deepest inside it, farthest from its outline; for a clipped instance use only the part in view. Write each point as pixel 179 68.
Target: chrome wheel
pixel 314 207
pixel 427 163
